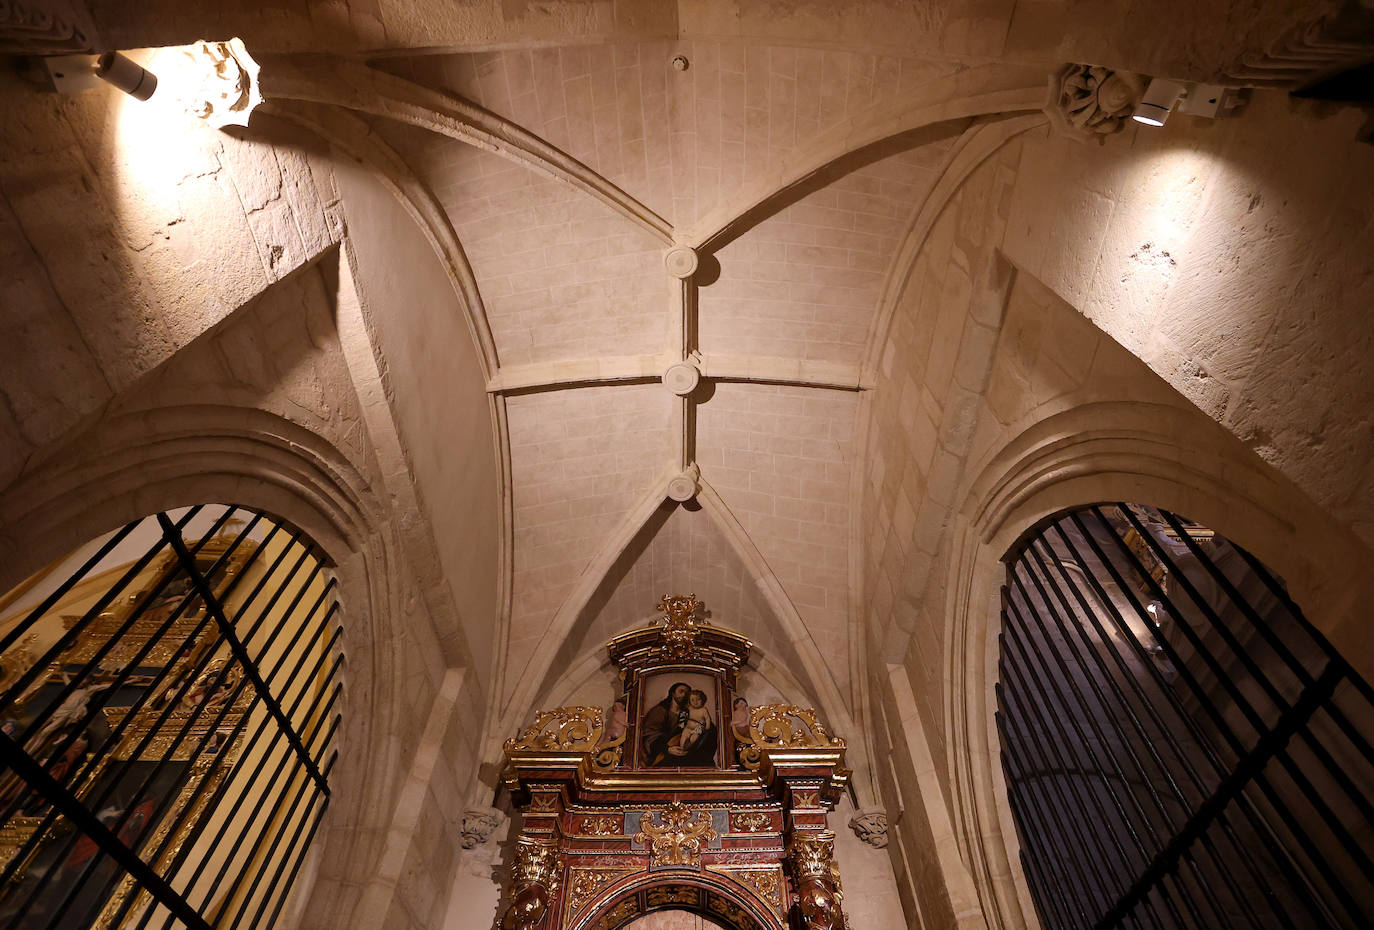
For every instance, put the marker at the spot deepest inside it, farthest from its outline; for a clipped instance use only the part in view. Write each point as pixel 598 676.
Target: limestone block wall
pixel 1249 333
pixel 177 328
pixel 128 229
pixel 432 393
pixel 1233 258
pixel 932 375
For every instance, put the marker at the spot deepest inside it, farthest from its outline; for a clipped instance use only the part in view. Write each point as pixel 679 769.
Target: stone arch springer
pixel 1167 457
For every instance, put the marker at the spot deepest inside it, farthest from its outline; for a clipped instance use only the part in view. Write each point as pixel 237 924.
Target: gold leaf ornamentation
pixel 601 826
pixel 774 725
pixel 811 854
pixel 563 728
pixel 681 625
pixel 584 883
pixel 767 883
pixel 536 863
pixel 672 894
pixel 679 837
pixel 750 821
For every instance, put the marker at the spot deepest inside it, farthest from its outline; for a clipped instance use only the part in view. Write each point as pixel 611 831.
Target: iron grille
pixel 1181 747
pixel 168 709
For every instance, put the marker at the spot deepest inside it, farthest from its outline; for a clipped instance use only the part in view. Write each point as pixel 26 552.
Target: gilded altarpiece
pixel 663 800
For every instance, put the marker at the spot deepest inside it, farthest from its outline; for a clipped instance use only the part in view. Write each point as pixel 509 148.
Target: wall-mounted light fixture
pixel 121 71
pixel 1162 96
pixel 213 81
pixel 1158 101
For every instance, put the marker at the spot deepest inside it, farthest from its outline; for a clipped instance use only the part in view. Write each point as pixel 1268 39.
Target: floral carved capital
pixel 810 855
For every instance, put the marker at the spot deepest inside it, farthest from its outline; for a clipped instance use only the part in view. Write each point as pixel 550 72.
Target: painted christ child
pixel 698 722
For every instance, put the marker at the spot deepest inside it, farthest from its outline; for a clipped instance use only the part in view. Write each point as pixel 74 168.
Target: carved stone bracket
pixel 871 827
pixel 479 825
pixel 221 82
pixel 1092 102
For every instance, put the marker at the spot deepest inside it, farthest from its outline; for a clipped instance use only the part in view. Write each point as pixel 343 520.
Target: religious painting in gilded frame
pixel 679 720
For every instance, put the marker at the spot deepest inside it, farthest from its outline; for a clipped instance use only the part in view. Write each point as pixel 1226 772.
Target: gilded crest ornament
pixel 681 626
pixel 679 837
pixel 567 728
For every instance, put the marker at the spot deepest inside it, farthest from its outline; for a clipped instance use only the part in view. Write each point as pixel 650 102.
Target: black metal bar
pixel 151 777
pixel 222 790
pixel 1241 702
pixel 1270 744
pixel 1074 902
pixel 1209 613
pixel 270 855
pixel 70 639
pixel 291 855
pixel 1265 629
pixel 1229 685
pixel 1281 592
pixel 1067 627
pixel 87 822
pixel 1300 882
pixel 1092 853
pixel 1013 636
pixel 116 737
pixel 227 629
pixel 1068 620
pixel 300 628
pixel 22 854
pixel 300 749
pixel 1031 551
pixel 1261 624
pixel 1051 894
pixel 266 610
pixel 154 687
pixel 19 629
pixel 271 790
pixel 299 861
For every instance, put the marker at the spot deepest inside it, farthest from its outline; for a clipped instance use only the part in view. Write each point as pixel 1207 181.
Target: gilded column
pixel 810 855
pixel 535 883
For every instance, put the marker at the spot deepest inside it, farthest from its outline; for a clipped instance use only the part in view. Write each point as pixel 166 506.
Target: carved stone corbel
pixel 219 82
pixel 536 882
pixel 1092 102
pixel 871 827
pixel 811 855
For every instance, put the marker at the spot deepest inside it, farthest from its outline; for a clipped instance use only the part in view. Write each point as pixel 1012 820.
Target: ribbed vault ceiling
pixel 798 175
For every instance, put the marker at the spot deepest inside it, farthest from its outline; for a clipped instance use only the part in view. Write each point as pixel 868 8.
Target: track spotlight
pixel 126 74
pixel 1160 97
